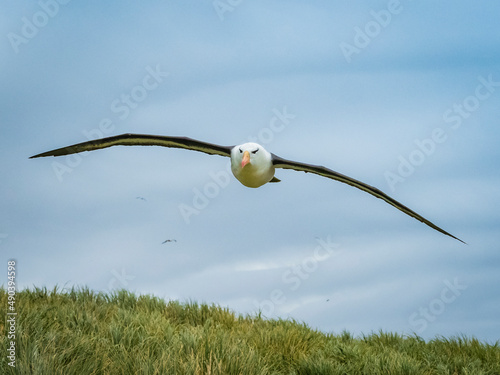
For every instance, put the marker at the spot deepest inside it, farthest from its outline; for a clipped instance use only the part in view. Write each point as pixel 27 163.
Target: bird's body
pixel 251 163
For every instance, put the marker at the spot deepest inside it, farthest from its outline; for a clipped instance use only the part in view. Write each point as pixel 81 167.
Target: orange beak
pixel 246 159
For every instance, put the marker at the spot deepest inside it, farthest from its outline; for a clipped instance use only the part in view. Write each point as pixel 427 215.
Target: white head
pixel 252 164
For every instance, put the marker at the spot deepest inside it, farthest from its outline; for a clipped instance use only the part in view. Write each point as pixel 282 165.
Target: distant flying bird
pixel 166 241
pixel 251 164
pixel 141 198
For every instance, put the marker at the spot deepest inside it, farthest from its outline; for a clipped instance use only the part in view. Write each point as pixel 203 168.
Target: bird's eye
pixel 241 151
pixel 254 152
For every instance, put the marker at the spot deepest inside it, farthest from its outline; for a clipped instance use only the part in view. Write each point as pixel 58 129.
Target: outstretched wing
pixel 325 172
pixel 141 140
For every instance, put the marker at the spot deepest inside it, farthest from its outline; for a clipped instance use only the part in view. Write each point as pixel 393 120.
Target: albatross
pixel 251 164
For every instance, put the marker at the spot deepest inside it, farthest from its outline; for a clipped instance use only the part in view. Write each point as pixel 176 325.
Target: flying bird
pixel 251 163
pixel 166 241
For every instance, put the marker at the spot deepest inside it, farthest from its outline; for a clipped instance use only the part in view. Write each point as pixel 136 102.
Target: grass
pixel 83 332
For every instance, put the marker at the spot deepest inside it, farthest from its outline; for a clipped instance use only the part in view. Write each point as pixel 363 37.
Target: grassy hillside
pixel 82 332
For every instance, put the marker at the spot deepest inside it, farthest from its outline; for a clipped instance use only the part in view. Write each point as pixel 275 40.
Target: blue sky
pixel 402 95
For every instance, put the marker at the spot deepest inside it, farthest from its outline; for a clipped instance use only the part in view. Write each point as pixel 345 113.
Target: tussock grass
pixel 83 332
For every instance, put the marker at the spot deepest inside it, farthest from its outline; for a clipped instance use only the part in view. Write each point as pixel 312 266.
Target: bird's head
pixel 248 154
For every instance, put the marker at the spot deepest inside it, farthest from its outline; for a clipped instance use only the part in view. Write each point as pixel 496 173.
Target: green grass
pixel 83 332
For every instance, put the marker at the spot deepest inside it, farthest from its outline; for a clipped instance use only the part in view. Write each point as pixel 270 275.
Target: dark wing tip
pixel 57 152
pixel 465 243
pixel 39 155
pixel 446 233
pixel 43 154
